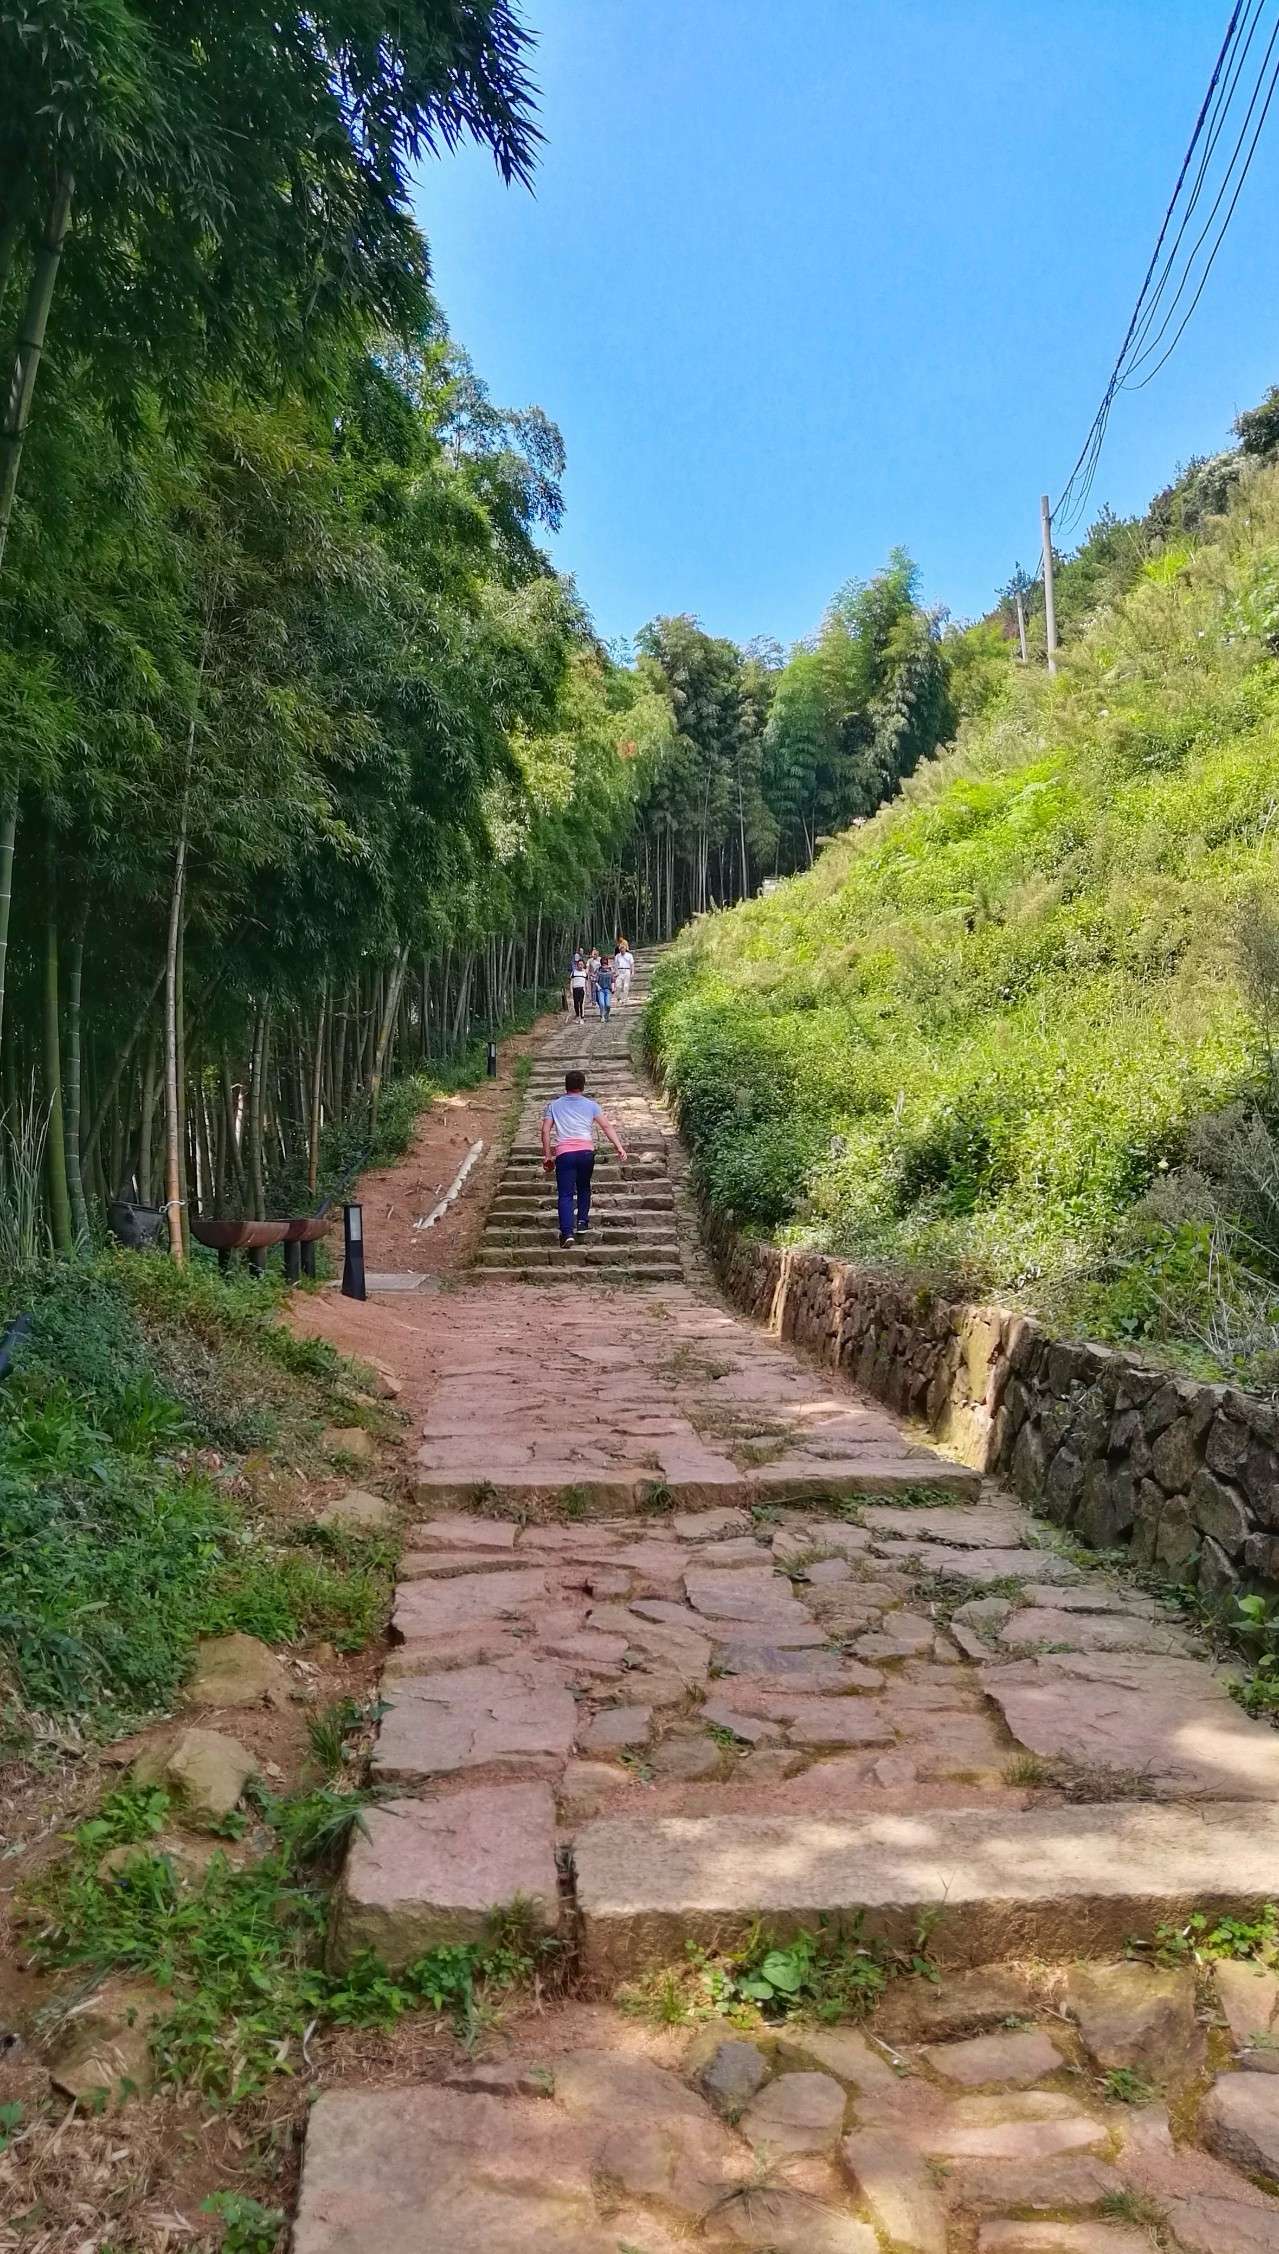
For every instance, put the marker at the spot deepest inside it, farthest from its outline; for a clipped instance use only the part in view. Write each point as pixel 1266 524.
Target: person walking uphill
pixel 571 1119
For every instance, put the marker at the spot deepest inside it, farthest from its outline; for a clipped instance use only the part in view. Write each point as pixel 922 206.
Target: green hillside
pixel 1018 1032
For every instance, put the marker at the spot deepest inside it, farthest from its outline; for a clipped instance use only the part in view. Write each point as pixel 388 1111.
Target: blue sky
pixel 803 279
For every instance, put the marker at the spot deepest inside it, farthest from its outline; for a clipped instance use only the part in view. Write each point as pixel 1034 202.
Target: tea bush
pixel 981 1038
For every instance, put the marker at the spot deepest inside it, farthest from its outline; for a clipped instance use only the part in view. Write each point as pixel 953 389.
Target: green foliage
pixel 247 2226
pixel 328 1731
pixel 286 1596
pixel 239 1955
pixel 1202 1939
pixel 119 1550
pixel 1123 2085
pixel 1127 2206
pixel 1016 1035
pixel 832 1973
pixel 1254 1625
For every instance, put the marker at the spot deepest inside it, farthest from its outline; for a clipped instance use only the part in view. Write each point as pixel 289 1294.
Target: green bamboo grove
pixel 311 764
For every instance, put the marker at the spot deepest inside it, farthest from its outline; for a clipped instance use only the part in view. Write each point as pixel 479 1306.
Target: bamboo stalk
pixel 35 321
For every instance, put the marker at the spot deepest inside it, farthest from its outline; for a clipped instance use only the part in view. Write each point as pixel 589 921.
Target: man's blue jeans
pixel 573 1171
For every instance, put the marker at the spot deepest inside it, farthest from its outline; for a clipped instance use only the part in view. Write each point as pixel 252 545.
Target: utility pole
pixel 1050 604
pixel 1021 622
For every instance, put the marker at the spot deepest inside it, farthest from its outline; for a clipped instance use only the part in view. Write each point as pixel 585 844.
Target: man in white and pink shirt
pixel 571 1119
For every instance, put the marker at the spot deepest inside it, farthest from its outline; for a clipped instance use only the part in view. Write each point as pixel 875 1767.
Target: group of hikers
pixel 569 1121
pixel 601 979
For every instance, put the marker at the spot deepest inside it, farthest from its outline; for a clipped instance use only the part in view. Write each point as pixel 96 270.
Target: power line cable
pixel 1090 449
pixel 1140 359
pixel 1166 355
pixel 1221 109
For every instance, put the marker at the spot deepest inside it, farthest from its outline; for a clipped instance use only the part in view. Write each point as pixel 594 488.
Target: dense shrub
pixel 983 1034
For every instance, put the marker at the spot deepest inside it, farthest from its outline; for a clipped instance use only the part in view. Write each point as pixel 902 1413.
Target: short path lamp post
pixel 492 1060
pixel 353 1247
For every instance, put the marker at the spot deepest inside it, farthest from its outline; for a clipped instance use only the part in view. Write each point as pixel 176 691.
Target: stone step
pixel 649 1164
pixel 651 1229
pixel 524 1168
pixel 613 1228
pixel 1049 1882
pixel 555 1255
pixel 639 1222
pixel 606 1221
pixel 612 1201
pixel 604 1209
pixel 604 1091
pixel 621 1494
pixel 602 1072
pixel 637 1154
pixel 528 1274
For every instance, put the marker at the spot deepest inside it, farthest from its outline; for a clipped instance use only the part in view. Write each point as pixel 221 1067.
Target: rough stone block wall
pixel 1185 1474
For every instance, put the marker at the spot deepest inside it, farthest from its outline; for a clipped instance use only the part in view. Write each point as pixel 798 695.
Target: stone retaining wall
pixel 1187 1474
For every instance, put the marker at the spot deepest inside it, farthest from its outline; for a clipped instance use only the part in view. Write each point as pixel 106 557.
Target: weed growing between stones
pixel 656 1498
pixel 1123 2085
pixel 1029 1770
pixel 1203 1939
pixel 1135 2207
pixel 945 1596
pixel 1079 1781
pixel 685 1366
pixel 795 1568
pixel 830 1974
pixel 238 1956
pixel 919 1497
pixel 1237 1627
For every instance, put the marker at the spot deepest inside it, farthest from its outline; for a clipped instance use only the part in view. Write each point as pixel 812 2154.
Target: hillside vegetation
pixel 1018 1033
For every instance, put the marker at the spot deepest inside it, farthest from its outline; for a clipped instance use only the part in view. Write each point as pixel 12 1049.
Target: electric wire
pixel 1216 125
pixel 1071 501
pixel 1184 324
pixel 1140 360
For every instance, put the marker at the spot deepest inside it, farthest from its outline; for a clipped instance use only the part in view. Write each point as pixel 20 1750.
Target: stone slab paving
pixel 688 1638
pixel 802 2141
pixel 631 1397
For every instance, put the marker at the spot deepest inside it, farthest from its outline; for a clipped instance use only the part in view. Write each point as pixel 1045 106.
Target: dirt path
pixel 395 1197
pixel 692 1643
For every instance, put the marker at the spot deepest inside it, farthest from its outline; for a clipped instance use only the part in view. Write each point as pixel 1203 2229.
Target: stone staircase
pixel 692 1644
pixel 634 1236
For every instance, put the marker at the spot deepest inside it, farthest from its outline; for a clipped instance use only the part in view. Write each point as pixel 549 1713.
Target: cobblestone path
pixel 694 1643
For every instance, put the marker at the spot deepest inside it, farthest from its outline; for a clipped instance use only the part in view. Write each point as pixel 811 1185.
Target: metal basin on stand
pixel 301 1238
pixel 253 1237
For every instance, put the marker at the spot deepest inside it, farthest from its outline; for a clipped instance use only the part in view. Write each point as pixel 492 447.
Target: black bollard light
pixel 353 1244
pixel 492 1060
